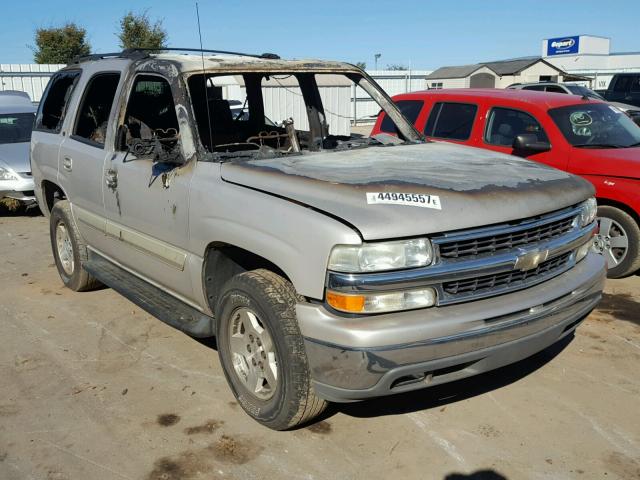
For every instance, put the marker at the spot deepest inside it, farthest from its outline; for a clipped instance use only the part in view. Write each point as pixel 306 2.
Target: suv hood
pixel 15 156
pixel 611 162
pixel 475 187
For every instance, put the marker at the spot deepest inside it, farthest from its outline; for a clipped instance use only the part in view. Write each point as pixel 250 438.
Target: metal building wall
pixel 365 110
pixel 30 78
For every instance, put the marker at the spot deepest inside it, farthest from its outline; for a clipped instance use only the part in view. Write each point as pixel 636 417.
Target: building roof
pixel 454 72
pixel 500 68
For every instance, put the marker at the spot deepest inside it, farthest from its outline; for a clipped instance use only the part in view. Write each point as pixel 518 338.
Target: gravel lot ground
pixel 91 387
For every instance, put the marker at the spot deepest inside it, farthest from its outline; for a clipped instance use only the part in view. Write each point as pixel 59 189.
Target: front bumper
pixel 21 189
pixel 363 357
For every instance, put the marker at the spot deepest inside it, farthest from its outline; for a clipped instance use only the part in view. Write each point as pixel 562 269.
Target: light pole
pixel 376 57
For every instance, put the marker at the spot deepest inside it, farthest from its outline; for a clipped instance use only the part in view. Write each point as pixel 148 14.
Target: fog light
pixel 382 302
pixel 583 250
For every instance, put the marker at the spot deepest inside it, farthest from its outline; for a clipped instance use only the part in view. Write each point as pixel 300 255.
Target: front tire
pixel 262 351
pixel 618 240
pixel 69 249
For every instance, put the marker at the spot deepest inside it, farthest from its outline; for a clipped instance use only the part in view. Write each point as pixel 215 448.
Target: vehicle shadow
pixel 448 393
pixel 477 475
pixel 20 211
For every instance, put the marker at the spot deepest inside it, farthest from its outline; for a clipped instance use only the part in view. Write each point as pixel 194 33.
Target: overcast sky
pixel 416 33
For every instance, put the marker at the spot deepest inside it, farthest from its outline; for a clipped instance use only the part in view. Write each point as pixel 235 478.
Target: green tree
pixel 137 31
pixel 60 44
pixel 362 65
pixel 396 67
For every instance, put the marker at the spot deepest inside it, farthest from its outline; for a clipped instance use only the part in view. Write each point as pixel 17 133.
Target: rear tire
pixel 262 351
pixel 618 240
pixel 69 250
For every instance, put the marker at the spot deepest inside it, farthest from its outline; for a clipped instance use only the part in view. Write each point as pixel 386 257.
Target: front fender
pixel 295 238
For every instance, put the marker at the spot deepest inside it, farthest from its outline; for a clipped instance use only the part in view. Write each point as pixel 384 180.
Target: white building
pixel 589 56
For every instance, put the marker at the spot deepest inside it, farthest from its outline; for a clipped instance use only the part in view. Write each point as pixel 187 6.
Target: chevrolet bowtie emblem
pixel 530 260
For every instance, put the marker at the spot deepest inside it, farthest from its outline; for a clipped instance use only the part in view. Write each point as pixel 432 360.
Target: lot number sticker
pixel 407 199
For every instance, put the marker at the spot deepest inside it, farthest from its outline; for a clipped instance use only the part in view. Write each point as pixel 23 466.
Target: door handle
pixel 67 163
pixel 111 178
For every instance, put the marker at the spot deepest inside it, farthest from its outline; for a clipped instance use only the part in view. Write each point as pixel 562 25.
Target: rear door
pixel 451 121
pixel 83 151
pixel 47 132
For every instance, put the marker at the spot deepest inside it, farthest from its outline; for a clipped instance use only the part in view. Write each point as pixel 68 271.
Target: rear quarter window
pixel 409 108
pixel 53 106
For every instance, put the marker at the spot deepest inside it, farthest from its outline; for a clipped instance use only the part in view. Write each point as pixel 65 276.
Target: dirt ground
pixel 91 387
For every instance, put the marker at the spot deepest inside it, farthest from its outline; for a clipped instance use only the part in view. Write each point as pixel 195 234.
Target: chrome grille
pixel 517 237
pixel 510 280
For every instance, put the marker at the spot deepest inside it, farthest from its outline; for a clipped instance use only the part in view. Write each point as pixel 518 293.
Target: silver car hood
pixel 475 187
pixel 15 156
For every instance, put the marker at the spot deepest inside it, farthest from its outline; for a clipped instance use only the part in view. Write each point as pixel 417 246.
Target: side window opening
pixel 95 109
pixel 504 124
pixel 151 111
pixel 53 107
pixel 635 85
pixel 622 84
pixel 555 89
pixel 409 108
pixel 451 121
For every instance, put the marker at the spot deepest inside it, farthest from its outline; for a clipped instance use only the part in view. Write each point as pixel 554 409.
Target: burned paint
pixel 501 188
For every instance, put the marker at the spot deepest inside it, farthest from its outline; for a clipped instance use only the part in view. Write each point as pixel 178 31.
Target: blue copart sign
pixel 562 45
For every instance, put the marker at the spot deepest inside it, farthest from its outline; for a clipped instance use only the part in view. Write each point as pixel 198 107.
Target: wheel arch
pixel 604 201
pixel 223 260
pixel 51 193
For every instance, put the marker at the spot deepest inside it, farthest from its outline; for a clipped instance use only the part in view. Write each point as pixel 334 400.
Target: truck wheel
pixel 262 351
pixel 69 250
pixel 618 240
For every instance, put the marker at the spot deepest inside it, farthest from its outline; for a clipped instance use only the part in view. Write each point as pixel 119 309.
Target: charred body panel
pixel 500 187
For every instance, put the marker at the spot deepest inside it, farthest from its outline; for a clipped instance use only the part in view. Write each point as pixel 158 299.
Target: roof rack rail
pixel 137 53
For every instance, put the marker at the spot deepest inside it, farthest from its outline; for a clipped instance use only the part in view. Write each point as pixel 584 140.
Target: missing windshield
pixel 267 114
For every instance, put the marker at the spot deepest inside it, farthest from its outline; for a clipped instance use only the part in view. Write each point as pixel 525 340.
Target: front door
pixel 504 124
pixel 147 202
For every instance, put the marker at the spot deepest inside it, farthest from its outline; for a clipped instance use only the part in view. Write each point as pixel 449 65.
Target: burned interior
pixel 233 117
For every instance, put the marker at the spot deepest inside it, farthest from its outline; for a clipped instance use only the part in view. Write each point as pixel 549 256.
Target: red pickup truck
pixel 589 138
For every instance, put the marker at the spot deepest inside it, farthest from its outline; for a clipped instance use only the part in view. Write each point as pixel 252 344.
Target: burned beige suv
pixel 330 266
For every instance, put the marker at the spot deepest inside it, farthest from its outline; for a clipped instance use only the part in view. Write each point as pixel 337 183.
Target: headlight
pixel 6 174
pixel 583 250
pixel 589 209
pixel 382 302
pixel 377 257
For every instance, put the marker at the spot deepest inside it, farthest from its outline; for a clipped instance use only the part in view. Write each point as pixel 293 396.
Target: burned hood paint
pixel 475 187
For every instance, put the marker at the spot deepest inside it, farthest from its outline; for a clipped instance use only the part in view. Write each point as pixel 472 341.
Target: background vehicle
pixel 16 121
pixel 585 137
pixel 631 110
pixel 624 87
pixel 329 267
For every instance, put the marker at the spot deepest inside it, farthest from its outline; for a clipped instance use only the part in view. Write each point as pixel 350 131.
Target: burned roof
pixel 192 60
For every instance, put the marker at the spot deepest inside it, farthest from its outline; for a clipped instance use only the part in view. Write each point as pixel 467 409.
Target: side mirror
pixel 528 142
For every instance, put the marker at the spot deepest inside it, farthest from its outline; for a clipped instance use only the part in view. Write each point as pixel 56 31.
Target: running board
pixel 150 298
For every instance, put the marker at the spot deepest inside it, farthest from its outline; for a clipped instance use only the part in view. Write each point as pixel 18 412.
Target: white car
pixel 16 122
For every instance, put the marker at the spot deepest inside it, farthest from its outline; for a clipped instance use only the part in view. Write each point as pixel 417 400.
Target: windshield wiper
pixel 637 144
pixel 599 145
